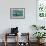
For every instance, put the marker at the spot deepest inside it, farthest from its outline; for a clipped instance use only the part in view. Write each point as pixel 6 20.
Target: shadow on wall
pixel 8 30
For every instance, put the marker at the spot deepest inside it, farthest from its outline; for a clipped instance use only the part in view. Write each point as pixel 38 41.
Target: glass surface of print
pixel 41 8
pixel 17 13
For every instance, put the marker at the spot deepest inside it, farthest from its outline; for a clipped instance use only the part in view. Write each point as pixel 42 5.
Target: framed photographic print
pixel 41 8
pixel 17 13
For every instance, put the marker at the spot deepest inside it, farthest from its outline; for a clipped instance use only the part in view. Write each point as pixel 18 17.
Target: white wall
pixel 23 24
